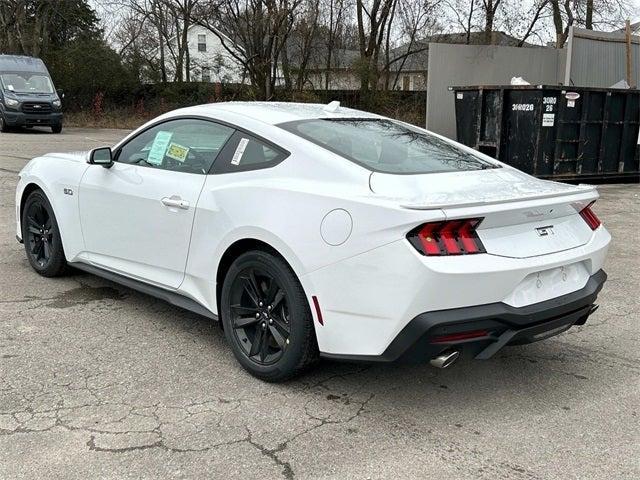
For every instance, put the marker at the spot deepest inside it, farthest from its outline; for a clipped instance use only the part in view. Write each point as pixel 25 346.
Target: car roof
pixel 274 113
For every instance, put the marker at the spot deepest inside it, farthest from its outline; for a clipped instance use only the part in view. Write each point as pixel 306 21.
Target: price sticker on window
pixel 237 156
pixel 159 147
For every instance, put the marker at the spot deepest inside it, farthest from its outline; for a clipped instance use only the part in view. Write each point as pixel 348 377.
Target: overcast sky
pixel 109 20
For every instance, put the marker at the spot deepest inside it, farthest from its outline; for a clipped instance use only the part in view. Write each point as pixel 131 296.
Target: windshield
pixel 26 83
pixel 386 146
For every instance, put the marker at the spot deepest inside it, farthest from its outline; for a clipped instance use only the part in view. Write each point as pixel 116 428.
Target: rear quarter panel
pixel 284 206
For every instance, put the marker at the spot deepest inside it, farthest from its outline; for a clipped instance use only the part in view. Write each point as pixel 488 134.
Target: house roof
pixel 417 61
pixel 635 29
pixel 341 58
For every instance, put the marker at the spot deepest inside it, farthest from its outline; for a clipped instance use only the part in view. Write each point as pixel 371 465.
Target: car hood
pixel 80 156
pixel 467 188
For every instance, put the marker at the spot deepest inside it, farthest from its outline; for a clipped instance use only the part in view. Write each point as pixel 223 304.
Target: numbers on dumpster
pixel 522 107
pixel 549 103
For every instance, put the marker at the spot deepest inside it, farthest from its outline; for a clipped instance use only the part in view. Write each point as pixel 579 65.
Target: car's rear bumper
pixel 21 119
pixel 432 333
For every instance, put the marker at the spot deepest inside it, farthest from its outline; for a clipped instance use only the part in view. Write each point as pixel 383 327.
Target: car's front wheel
pixel 266 317
pixel 41 236
pixel 56 128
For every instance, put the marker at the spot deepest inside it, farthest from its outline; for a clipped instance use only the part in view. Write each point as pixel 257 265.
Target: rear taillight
pixel 453 237
pixel 592 220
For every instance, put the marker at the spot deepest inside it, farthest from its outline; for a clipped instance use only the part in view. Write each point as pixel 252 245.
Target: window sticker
pixel 237 156
pixel 177 152
pixel 159 147
pixel 10 87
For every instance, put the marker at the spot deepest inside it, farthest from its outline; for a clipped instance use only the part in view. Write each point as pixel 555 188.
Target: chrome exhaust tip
pixel 445 359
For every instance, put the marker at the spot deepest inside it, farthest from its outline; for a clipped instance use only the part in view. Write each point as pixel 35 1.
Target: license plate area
pixel 547 284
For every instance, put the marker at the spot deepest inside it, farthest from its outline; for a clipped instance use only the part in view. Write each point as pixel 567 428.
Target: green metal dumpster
pixel 555 132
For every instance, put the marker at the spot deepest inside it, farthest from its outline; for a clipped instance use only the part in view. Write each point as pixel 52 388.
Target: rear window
pixel 386 146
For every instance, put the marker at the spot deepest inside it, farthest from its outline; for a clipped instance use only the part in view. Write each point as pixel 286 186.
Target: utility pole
pixel 628 48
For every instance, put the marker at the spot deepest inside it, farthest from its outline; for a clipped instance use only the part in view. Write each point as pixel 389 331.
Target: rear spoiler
pixel 582 193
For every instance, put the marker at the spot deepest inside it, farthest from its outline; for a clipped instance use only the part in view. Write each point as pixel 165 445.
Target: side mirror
pixel 60 93
pixel 101 156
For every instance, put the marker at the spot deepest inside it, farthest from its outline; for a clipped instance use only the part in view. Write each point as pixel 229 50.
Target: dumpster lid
pixel 458 88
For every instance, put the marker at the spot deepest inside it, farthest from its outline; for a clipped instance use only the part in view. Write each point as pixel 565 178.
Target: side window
pixel 244 152
pixel 202 43
pixel 183 145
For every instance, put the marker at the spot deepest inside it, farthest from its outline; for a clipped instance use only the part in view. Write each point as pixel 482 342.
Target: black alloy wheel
pixel 41 236
pixel 266 317
pixel 260 315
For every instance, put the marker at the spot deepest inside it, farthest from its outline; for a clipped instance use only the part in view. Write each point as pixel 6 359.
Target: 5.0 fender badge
pixel 68 191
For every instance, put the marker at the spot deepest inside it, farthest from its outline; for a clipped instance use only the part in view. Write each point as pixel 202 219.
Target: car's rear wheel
pixel 266 317
pixel 41 236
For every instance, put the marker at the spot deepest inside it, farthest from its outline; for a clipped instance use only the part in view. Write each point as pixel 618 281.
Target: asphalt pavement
pixel 99 381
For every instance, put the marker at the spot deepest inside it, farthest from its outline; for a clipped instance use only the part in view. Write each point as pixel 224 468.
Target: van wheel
pixel 3 125
pixel 56 128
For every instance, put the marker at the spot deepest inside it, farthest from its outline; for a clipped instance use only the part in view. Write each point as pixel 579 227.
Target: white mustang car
pixel 313 230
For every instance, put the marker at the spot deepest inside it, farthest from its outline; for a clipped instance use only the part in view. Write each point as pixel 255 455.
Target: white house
pixel 209 61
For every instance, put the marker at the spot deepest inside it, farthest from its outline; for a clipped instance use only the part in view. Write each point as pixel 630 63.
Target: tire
pixel 41 236
pixel 275 340
pixel 56 128
pixel 3 125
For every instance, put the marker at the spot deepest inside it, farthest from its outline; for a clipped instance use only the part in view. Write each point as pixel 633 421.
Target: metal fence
pixel 481 65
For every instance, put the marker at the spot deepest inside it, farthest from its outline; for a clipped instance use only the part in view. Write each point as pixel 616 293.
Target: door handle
pixel 175 201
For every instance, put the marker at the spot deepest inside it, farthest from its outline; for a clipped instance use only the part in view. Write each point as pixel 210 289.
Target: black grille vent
pixel 36 107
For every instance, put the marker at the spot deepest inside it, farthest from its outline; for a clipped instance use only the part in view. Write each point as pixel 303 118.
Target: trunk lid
pixel 522 215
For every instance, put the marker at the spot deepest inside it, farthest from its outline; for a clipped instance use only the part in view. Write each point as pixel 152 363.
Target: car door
pixel 137 216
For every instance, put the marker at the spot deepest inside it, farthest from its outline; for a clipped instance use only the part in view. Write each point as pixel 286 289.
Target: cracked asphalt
pixel 99 381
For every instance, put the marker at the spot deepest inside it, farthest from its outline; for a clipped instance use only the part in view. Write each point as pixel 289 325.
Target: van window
pixel 26 83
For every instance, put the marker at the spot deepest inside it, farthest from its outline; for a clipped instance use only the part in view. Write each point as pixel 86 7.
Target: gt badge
pixel 545 231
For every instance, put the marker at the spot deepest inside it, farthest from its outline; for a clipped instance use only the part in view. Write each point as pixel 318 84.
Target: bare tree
pixel 171 20
pixel 415 21
pixel 589 14
pixel 525 21
pixel 464 12
pixel 490 7
pixel 373 23
pixel 254 33
pixel 304 39
pixel 332 21
pixel 538 9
